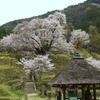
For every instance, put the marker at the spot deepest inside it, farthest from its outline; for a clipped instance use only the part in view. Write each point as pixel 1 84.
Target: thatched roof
pixel 77 71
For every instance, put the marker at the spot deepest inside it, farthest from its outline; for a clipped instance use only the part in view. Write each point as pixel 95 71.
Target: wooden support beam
pixel 63 91
pixel 83 95
pixel 94 92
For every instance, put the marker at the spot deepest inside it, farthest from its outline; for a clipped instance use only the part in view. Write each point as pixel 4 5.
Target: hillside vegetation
pixel 83 15
pixel 10 73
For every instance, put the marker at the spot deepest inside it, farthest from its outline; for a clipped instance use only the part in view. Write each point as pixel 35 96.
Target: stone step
pixel 32 94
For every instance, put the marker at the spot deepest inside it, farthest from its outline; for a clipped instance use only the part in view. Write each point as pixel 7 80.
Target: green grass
pixel 7 92
pixel 10 75
pixel 37 98
pixel 84 53
pixel 59 60
pixel 96 56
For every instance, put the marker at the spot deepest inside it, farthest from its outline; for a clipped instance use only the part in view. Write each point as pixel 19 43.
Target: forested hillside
pixel 93 1
pixel 81 16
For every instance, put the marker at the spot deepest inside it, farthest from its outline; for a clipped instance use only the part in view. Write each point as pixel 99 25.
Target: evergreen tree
pixel 94 45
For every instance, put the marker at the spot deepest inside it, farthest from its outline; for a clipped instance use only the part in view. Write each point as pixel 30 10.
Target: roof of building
pixel 77 71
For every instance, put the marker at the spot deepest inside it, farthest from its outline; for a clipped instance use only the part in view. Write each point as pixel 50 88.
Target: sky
pixel 11 10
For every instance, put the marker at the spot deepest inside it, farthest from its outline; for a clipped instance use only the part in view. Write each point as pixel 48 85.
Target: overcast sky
pixel 17 9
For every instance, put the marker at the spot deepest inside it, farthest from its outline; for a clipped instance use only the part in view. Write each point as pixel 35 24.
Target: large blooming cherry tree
pixel 40 35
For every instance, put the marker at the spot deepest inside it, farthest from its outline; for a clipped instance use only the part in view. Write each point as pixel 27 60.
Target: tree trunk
pixel 40 51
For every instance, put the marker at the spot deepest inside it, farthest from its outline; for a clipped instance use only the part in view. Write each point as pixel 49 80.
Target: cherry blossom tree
pixel 40 64
pixel 40 35
pixel 79 38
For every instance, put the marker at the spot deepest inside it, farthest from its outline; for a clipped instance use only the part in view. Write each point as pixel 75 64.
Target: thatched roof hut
pixel 77 72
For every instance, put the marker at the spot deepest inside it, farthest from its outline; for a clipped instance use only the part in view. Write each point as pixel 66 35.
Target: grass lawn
pixel 6 92
pixel 37 98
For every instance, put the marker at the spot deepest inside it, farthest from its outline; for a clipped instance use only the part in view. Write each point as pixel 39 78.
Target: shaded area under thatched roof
pixel 77 71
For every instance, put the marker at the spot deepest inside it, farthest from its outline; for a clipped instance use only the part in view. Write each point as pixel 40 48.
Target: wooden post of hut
pixel 78 72
pixel 58 92
pixel 63 89
pixel 94 92
pixel 83 93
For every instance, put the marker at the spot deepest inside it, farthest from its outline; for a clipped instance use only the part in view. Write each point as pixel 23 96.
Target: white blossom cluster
pixel 39 64
pixel 93 62
pixel 79 36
